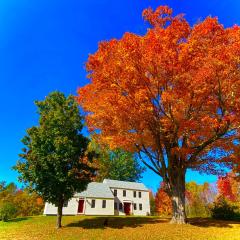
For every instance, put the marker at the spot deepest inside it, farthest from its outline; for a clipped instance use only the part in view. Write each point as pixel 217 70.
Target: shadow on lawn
pixel 18 219
pixel 115 222
pixel 208 222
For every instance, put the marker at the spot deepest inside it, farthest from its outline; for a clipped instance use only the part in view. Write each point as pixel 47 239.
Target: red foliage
pixel 226 187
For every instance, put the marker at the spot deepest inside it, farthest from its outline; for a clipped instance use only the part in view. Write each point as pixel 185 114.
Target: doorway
pixel 127 208
pixel 80 205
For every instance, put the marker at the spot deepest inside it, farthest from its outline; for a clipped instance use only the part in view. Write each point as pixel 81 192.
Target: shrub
pixel 7 211
pixel 225 210
pixel 28 204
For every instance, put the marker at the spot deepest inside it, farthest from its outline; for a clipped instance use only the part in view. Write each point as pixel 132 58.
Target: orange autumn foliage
pixel 163 203
pixel 40 201
pixel 171 95
pixel 174 82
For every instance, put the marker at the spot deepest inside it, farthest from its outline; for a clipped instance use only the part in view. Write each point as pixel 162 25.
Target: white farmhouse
pixel 111 197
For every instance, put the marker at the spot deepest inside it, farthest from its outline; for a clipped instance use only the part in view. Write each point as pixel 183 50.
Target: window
pixel 120 206
pixel 139 194
pixel 93 203
pixel 103 203
pixel 134 194
pixel 65 204
pixel 115 192
pixel 135 206
pixel 140 206
pixel 115 206
pixel 124 193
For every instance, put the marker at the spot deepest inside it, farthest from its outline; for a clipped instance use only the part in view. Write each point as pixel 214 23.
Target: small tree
pixel 163 204
pixel 53 161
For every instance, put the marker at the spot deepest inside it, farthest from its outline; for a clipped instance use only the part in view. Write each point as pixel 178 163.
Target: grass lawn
pixel 139 228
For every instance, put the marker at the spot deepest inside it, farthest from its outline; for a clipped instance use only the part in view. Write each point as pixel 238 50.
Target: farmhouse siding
pixel 99 199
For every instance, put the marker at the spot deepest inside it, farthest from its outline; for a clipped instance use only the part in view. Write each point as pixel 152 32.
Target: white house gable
pixel 129 197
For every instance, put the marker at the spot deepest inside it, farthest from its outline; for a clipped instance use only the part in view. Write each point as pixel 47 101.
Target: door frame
pixel 84 203
pixel 130 207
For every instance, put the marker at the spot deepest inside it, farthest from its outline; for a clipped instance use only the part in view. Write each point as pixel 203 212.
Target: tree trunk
pixel 177 185
pixel 59 213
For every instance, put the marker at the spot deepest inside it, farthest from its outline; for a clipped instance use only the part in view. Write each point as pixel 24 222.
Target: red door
pixel 80 205
pixel 127 208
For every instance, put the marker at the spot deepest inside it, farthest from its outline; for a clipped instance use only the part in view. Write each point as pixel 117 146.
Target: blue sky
pixel 44 45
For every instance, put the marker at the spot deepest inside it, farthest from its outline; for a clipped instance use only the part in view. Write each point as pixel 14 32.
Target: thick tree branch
pixel 208 142
pixel 148 165
pixel 151 158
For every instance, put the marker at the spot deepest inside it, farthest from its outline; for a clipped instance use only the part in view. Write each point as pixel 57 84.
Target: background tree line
pixel 220 200
pixel 18 202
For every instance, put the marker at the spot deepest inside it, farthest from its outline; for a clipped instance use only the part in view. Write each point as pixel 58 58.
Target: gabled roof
pixel 96 190
pixel 125 185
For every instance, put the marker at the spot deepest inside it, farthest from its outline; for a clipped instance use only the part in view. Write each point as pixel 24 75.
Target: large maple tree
pixel 171 95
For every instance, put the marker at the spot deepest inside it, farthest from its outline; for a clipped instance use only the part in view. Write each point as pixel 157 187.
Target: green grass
pixel 136 228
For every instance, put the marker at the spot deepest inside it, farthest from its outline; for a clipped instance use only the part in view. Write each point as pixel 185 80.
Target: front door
pixel 80 205
pixel 127 208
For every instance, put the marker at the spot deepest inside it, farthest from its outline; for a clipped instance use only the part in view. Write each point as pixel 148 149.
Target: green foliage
pixel 198 199
pixel 7 211
pixel 117 164
pixel 225 210
pixel 53 161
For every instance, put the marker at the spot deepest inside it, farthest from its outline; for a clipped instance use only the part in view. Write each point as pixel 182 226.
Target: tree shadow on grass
pixel 19 219
pixel 115 222
pixel 208 222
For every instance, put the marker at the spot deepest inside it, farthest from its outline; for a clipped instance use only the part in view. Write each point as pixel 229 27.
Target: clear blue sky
pixel 45 43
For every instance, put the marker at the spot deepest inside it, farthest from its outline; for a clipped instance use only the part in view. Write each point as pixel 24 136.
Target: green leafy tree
pixel 53 161
pixel 118 164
